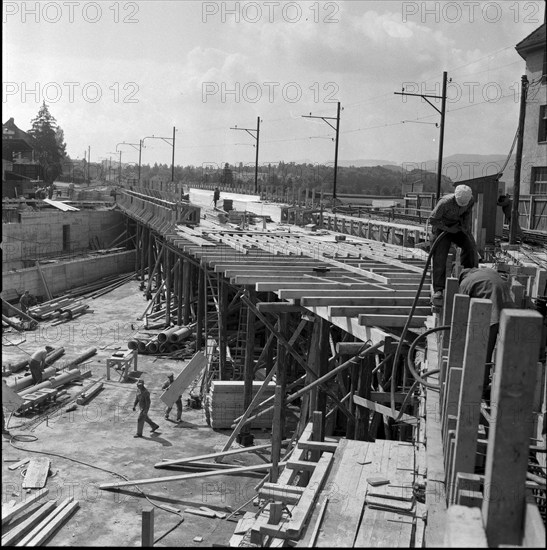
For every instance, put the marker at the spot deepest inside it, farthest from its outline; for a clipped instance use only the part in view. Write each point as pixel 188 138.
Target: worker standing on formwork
pixel 452 215
pixel 487 283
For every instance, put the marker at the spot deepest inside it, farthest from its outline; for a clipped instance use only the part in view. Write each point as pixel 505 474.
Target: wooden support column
pixel 187 281
pixel 147 537
pixel 323 364
pixel 200 309
pixel 278 427
pixel 205 307
pixel 362 415
pixel 503 507
pixel 167 275
pixel 249 363
pixel 222 325
pixel 150 262
pixel 143 248
pixel 138 245
pixel 353 381
pixel 178 286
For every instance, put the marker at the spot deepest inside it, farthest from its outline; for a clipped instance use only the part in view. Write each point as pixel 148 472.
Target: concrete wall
pixel 63 276
pixel 534 153
pixel 39 235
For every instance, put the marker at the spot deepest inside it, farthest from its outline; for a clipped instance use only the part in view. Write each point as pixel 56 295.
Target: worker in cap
pixel 452 215
pixel 487 283
pixel 143 400
pixel 37 363
pixel 178 402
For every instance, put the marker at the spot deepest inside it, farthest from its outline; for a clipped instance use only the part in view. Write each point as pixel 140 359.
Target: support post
pixel 503 508
pixel 147 537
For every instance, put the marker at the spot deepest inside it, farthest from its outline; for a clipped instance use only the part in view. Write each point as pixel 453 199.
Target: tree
pixel 227 177
pixel 50 144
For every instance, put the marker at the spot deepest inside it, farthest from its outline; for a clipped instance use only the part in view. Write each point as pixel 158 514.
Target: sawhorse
pixel 124 361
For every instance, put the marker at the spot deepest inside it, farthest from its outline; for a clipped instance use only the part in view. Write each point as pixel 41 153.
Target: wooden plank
pixel 383 524
pixel 301 465
pixel 23 528
pixel 45 522
pixel 474 358
pixel 18 464
pixel 374 300
pixel 184 379
pixel 37 472
pixel 392 320
pixel 355 311
pixel 301 513
pixel 53 525
pixel 510 432
pixel 318 522
pixel 318 446
pixel 464 528
pixel 456 347
pixel 189 460
pixel 278 495
pixel 183 477
pixel 9 513
pixel 358 400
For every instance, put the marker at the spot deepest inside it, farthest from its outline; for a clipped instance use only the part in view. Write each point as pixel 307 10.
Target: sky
pixel 115 71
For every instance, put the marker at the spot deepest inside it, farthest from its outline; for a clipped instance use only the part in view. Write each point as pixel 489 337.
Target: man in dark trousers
pixel 216 196
pixel 178 402
pixel 37 362
pixel 143 400
pixel 487 283
pixel 452 214
pixel 25 302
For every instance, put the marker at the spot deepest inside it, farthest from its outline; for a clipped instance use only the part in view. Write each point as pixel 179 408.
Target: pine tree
pixel 50 141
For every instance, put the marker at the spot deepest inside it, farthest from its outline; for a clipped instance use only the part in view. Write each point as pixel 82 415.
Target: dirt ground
pixel 90 445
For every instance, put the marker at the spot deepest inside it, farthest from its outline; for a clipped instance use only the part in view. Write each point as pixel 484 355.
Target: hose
pixel 405 328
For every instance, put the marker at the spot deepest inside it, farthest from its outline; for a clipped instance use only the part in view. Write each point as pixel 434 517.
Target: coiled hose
pixel 405 329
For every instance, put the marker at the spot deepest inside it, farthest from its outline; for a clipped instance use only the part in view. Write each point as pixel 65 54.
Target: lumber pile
pixel 44 520
pixel 61 308
pixel 224 403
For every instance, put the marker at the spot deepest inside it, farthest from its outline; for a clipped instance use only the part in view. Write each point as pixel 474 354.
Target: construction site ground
pixel 91 444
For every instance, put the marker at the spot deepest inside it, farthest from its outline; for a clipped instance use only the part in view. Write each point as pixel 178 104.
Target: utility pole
pixel 337 130
pixel 171 142
pixel 173 159
pixel 88 163
pixel 140 153
pixel 257 138
pixel 518 160
pixel 442 112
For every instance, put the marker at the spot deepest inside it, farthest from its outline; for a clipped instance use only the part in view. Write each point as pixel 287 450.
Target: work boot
pixel 137 435
pixel 438 295
pixel 155 428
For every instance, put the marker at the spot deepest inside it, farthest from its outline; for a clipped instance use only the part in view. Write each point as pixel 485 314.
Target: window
pixel 542 133
pixel 539 180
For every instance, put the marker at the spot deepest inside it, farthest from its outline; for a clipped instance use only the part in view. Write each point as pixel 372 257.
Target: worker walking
pixel 143 400
pixel 487 283
pixel 37 363
pixel 178 402
pixel 452 214
pixel 507 206
pixel 216 196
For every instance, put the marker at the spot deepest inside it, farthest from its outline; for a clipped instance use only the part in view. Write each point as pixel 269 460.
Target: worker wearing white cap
pixel 452 214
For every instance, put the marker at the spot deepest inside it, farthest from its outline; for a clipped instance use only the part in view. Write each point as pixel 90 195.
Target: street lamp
pixel 171 141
